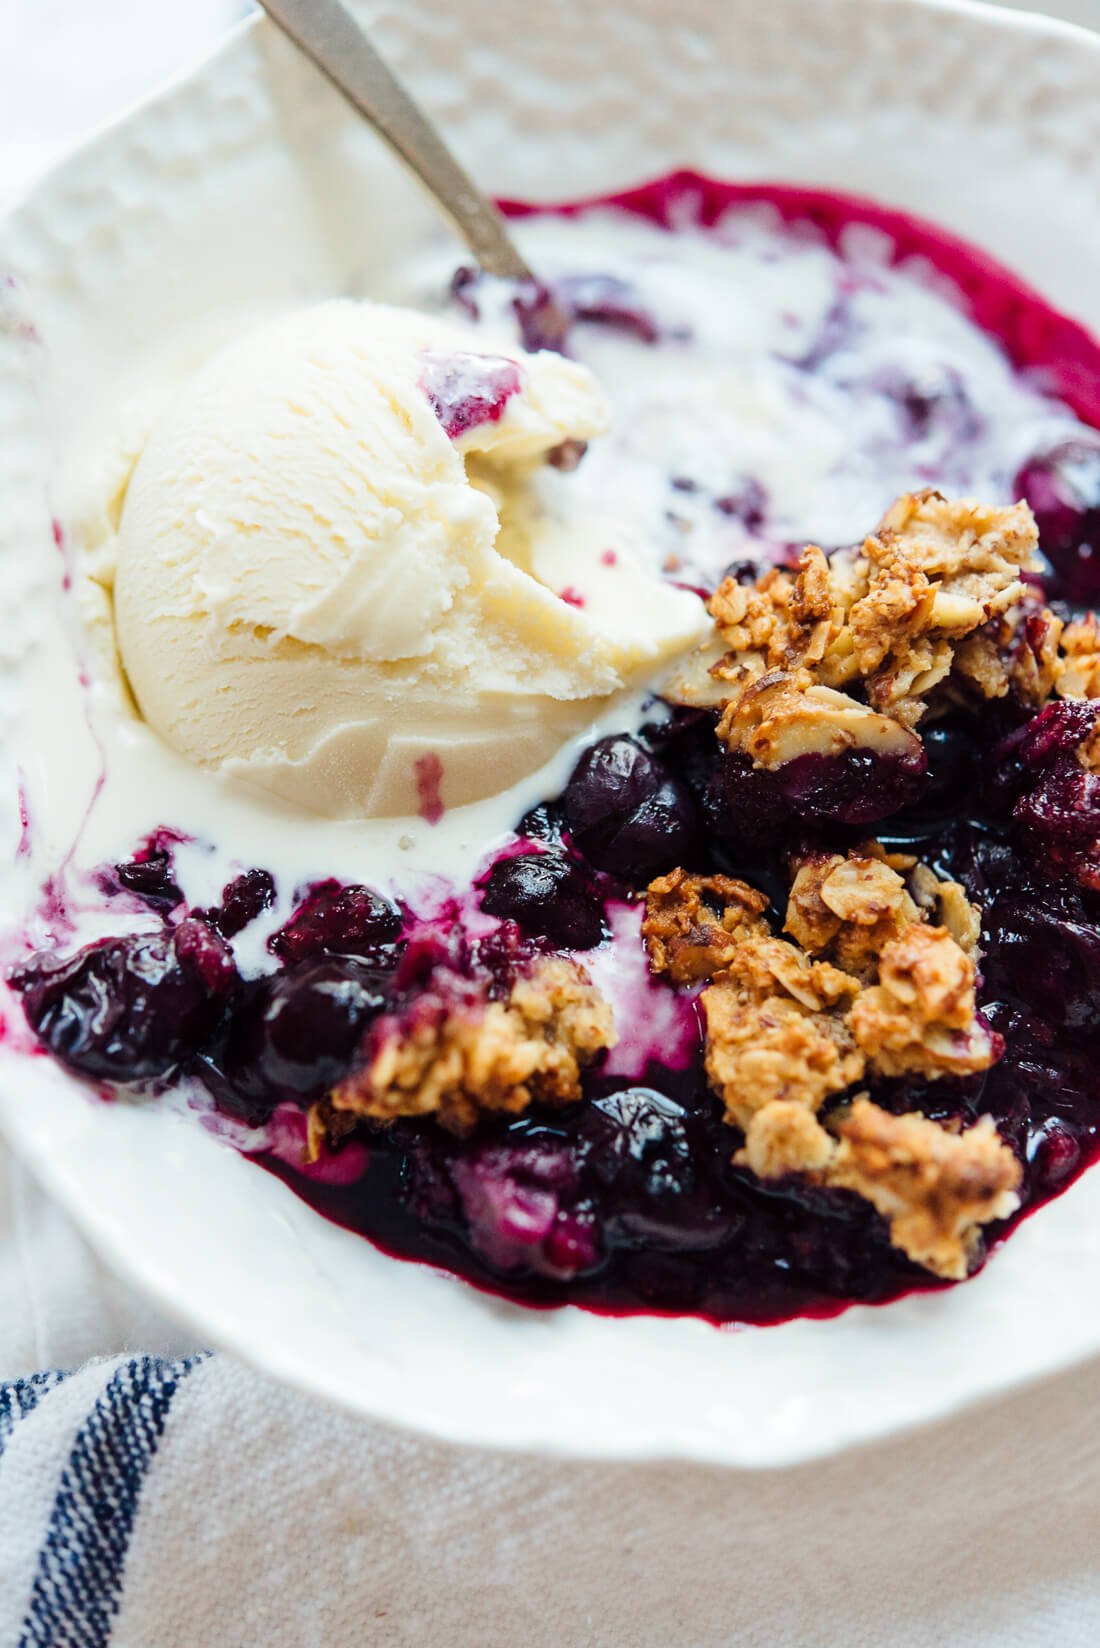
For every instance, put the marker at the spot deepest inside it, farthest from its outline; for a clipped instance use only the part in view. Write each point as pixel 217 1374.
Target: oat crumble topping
pixel 889 617
pixel 849 906
pixel 936 1188
pixel 691 921
pixel 1078 674
pixel 880 979
pixel 777 1029
pixel 456 1059
pixel 922 1017
pixel 325 1127
pixel 1017 652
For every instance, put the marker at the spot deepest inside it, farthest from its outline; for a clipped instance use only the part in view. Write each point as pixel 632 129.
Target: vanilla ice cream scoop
pixel 309 591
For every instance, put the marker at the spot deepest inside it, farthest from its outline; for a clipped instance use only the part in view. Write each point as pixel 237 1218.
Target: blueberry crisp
pixel 784 991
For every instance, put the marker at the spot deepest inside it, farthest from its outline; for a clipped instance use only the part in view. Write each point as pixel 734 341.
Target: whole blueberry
pixel 299 1033
pixel 1062 486
pixel 518 1202
pixel 152 878
pixel 641 1151
pixel 243 899
pixel 337 920
pixel 548 896
pixel 628 814
pixel 857 787
pixel 128 1009
pixel 1044 956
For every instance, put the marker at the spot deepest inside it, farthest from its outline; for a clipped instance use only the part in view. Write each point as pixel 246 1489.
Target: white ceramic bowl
pixel 206 209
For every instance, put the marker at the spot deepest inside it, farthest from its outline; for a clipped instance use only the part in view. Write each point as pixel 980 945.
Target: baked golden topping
pixel 1016 652
pixel 783 715
pixel 888 617
pixel 690 922
pixel 777 1028
pixel 921 1016
pixel 1079 667
pixel 850 907
pixel 880 980
pixel 935 1188
pixel 459 1057
pixel 786 1137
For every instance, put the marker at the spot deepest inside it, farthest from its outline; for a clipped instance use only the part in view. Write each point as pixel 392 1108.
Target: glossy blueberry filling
pixel 630 1200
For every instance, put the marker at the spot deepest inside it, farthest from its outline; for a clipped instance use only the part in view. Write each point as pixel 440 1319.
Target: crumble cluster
pixel 1078 673
pixel 931 606
pixel 454 1053
pixel 934 1187
pixel 880 979
pixel 694 925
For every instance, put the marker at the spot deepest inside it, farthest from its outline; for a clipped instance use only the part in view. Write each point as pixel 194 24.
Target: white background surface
pixel 983 1531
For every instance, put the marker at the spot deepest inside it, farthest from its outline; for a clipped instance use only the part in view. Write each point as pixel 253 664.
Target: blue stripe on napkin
pixel 17 1400
pixel 76 1590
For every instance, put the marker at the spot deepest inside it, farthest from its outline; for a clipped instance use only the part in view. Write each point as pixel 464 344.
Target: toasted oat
pixel 922 1014
pixel 456 1056
pixel 850 907
pixel 785 1137
pixel 889 617
pixel 946 902
pixel 326 1127
pixel 777 1029
pixel 1079 667
pixel 934 1187
pixel 782 715
pixel 690 922
pixel 1015 652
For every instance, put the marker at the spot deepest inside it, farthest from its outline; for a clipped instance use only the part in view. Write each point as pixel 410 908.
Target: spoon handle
pixel 328 34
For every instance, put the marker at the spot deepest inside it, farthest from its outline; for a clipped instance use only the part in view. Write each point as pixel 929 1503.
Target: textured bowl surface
pixel 248 188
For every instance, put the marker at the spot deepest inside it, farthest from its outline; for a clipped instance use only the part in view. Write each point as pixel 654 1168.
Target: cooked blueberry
pixel 628 814
pixel 934 401
pixel 243 900
pixel 1056 1157
pixel 545 313
pixel 464 283
pixel 519 1204
pixel 338 920
pixel 151 877
pixel 858 786
pixel 1063 488
pixel 542 823
pixel 747 503
pixel 1056 797
pixel 607 300
pixel 544 321
pixel 1056 730
pixel 548 896
pixel 951 750
pixel 130 1008
pixel 639 1149
pixel 1045 957
pixel 300 1031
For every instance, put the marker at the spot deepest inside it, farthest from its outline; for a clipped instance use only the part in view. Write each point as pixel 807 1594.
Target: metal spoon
pixel 326 31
